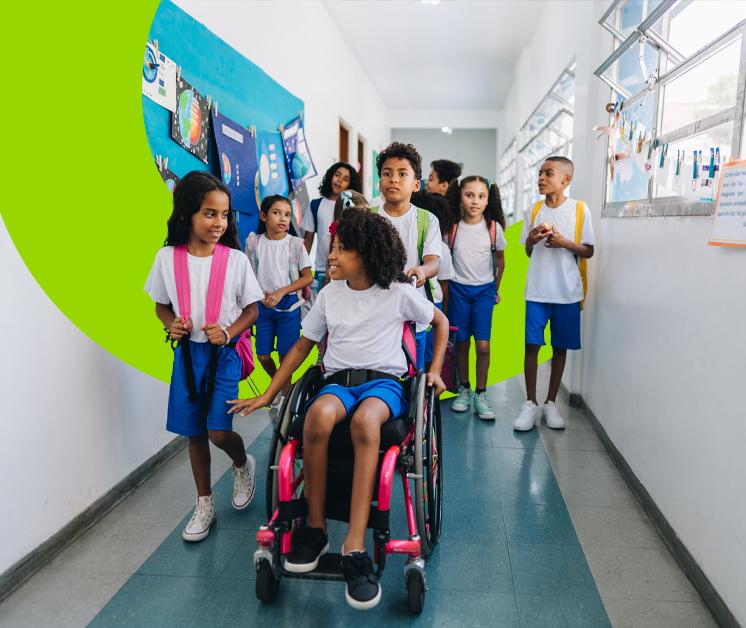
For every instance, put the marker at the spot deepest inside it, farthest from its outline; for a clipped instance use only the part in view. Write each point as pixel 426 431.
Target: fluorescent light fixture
pixel 447 130
pixel 431 2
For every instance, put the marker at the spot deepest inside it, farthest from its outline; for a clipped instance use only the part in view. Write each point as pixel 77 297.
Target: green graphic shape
pixel 89 216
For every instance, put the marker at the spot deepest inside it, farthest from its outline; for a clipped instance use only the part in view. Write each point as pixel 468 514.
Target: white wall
pixel 325 75
pixel 663 361
pixel 75 419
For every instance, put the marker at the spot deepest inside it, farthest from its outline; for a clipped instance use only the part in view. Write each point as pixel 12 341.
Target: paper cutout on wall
pixel 273 178
pixel 297 157
pixel 238 167
pixel 159 77
pixel 190 122
pixel 169 178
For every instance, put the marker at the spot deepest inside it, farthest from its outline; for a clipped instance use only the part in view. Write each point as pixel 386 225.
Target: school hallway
pixel 539 530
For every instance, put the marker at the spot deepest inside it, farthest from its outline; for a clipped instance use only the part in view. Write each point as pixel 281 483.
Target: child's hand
pixel 179 328
pixel 556 240
pixel 539 232
pixel 242 407
pixel 419 273
pixel 271 300
pixel 497 297
pixel 215 334
pixel 434 379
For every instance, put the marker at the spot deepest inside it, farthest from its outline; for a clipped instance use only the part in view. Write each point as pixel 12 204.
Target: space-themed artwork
pixel 169 178
pixel 297 157
pixel 190 122
pixel 159 77
pixel 300 201
pixel 238 167
pixel 273 178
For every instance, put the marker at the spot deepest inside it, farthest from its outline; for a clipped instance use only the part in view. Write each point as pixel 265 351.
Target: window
pixel 548 131
pixel 678 68
pixel 506 181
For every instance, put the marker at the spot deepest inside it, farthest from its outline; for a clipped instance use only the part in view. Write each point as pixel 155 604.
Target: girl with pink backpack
pixel 205 295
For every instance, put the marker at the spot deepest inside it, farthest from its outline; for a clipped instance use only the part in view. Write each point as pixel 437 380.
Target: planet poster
pixel 169 178
pixel 159 77
pixel 297 157
pixel 273 178
pixel 300 201
pixel 190 122
pixel 239 169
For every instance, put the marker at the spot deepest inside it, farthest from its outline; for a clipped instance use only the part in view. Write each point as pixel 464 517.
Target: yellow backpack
pixel 579 220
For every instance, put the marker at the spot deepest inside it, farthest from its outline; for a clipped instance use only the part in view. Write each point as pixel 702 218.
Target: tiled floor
pixel 539 530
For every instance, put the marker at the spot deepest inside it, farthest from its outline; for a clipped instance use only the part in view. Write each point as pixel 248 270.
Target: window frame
pixel 677 65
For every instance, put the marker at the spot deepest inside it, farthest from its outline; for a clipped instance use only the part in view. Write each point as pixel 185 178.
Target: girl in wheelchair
pixel 361 314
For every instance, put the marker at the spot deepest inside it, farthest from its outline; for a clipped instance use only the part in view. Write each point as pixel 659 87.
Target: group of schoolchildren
pixel 432 257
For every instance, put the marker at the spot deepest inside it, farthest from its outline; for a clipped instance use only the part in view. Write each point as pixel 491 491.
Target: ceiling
pixel 457 54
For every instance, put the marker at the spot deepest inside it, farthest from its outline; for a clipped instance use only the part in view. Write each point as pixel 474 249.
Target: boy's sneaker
pixel 363 591
pixel 552 416
pixel 202 519
pixel 244 483
pixel 462 401
pixel 483 407
pixel 309 544
pixel 527 418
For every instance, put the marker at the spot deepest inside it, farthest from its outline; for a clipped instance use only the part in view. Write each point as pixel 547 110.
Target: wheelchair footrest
pixel 330 568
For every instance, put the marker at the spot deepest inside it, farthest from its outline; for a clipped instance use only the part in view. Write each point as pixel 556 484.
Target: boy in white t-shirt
pixel 400 169
pixel 554 287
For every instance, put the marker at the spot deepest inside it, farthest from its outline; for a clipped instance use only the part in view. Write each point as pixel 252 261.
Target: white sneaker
pixel 463 401
pixel 202 519
pixel 483 407
pixel 552 416
pixel 526 420
pixel 244 484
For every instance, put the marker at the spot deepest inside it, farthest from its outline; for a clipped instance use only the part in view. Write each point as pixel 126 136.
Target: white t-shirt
pixel 323 220
pixel 553 275
pixel 445 272
pixel 273 259
pixel 406 225
pixel 472 254
pixel 365 326
pixel 241 288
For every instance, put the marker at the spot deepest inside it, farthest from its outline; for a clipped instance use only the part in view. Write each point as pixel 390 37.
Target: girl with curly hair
pixel 362 314
pixel 477 244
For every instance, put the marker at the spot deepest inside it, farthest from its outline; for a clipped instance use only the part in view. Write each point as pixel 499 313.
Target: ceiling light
pixel 431 2
pixel 447 130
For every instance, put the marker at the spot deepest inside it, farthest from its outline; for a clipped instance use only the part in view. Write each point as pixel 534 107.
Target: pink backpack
pixel 215 288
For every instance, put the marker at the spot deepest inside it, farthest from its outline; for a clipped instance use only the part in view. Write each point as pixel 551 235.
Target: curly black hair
pixel 446 170
pixel 189 193
pixel 402 151
pixel 325 189
pixel 438 205
pixel 494 209
pixel 378 243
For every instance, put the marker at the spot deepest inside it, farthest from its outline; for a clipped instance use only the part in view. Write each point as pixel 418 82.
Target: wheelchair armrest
pixel 299 393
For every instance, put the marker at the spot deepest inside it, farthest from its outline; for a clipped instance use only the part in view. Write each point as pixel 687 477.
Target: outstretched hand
pixel 242 407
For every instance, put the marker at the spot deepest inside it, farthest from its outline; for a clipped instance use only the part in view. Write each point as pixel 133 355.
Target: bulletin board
pixel 244 92
pixel 729 218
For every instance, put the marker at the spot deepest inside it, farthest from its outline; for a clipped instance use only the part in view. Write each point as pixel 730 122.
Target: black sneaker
pixel 309 544
pixel 363 591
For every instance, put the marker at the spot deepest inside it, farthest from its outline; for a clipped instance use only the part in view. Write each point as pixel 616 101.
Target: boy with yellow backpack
pixel 559 239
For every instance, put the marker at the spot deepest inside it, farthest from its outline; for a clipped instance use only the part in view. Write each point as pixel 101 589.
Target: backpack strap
pixel 315 204
pixel 181 276
pixel 582 261
pixel 252 246
pixel 492 227
pixel 216 283
pixel 452 237
pixel 535 211
pixel 423 222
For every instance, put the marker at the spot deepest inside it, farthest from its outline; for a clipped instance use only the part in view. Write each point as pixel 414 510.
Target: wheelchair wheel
pixel 290 407
pixel 267 584
pixel 427 461
pixel 415 591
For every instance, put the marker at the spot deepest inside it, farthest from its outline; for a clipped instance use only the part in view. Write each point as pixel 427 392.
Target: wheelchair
pixel 411 444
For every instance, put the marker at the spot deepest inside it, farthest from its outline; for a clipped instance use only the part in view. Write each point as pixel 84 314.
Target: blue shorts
pixel 429 345
pixel 564 319
pixel 470 309
pixel 420 339
pixel 272 323
pixel 387 390
pixel 184 416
